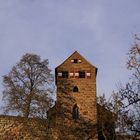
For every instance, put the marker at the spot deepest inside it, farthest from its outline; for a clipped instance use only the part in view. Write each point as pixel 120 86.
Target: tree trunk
pixel 27 109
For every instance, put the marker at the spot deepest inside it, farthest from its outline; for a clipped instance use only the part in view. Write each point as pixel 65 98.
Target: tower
pixel 76 112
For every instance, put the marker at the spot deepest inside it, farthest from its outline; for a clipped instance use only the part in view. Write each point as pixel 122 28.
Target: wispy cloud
pixel 99 30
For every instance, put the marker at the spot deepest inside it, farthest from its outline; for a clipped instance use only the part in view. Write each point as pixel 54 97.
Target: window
pixel 75 112
pixel 64 74
pixel 79 61
pixel 88 74
pixel 59 74
pixel 76 74
pixel 75 61
pixel 81 74
pixel 75 89
pixel 71 74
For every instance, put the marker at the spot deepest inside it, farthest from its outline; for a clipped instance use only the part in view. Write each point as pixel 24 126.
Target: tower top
pixel 76 57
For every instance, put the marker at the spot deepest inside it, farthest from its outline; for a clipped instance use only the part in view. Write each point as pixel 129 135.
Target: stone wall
pixel 85 127
pixel 86 97
pixel 19 128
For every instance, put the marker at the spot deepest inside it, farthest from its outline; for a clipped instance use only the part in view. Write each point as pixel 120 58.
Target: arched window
pixel 75 89
pixel 75 112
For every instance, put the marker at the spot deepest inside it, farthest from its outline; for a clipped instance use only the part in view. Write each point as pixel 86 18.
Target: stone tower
pixel 76 112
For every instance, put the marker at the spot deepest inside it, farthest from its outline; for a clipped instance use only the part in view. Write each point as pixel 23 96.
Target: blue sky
pixel 101 30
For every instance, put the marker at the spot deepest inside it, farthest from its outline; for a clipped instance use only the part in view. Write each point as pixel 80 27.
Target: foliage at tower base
pixel 107 118
pixel 29 87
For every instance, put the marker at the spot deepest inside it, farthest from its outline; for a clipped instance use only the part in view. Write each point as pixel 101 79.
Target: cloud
pixel 100 30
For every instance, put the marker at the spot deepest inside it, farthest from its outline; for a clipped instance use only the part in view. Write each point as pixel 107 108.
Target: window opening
pixel 75 112
pixel 75 89
pixel 64 74
pixel 75 61
pixel 81 74
pixel 79 61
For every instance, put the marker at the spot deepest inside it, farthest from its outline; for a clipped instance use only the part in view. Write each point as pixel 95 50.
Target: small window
pixel 75 89
pixel 76 74
pixel 79 61
pixel 71 74
pixel 88 74
pixel 75 112
pixel 64 74
pixel 59 74
pixel 75 61
pixel 81 74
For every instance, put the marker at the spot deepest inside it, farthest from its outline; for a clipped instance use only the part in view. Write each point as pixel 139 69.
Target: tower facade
pixel 76 112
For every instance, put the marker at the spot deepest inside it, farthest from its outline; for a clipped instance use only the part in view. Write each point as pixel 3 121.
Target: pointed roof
pixel 76 53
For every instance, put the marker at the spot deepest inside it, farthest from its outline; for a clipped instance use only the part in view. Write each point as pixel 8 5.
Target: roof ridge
pixel 80 56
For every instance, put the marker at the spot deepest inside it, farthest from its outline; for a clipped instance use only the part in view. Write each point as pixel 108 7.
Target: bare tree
pixel 126 102
pixel 29 87
pixel 129 94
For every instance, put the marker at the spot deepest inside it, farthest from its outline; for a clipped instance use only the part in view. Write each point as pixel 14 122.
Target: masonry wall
pixel 86 97
pixel 86 126
pixel 18 128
